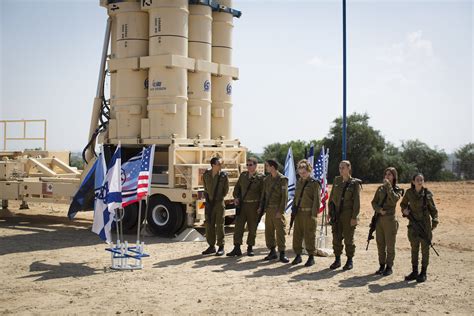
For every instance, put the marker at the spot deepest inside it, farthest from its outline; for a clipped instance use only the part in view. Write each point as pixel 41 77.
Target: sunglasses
pixel 250 164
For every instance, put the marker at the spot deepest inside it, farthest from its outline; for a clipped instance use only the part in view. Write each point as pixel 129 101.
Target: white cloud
pixel 414 48
pixel 409 60
pixel 318 62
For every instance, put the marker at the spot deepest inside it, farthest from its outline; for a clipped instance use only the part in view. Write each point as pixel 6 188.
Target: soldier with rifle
pixel 273 204
pixel 247 192
pixel 418 206
pixel 304 212
pixel 344 208
pixel 384 222
pixel 216 187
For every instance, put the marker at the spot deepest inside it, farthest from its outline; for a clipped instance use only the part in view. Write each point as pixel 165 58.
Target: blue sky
pixel 409 67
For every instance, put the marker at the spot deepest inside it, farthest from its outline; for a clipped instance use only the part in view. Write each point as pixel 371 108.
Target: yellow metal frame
pixel 25 122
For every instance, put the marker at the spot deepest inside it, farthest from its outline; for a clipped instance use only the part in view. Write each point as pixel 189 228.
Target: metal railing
pixel 25 123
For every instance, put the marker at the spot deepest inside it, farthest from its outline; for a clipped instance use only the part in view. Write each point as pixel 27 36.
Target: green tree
pixel 279 151
pixel 393 158
pixel 365 148
pixel 466 160
pixel 428 161
pixel 257 156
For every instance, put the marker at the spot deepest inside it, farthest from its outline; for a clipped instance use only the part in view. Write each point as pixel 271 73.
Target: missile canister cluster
pixel 170 69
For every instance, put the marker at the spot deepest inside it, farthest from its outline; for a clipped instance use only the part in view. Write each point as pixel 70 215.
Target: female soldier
pixel 418 206
pixel 344 207
pixel 384 203
pixel 304 211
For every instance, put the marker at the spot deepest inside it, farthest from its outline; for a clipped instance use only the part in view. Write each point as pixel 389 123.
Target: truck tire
pixel 165 218
pixel 130 218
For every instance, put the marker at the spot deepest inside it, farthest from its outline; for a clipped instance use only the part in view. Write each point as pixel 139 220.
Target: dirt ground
pixel 52 265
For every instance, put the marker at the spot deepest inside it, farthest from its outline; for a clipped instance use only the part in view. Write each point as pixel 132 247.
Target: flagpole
pixel 117 226
pixel 146 216
pixel 139 221
pixel 121 215
pixel 344 85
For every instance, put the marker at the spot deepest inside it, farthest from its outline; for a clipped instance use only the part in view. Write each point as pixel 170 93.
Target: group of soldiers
pixel 255 195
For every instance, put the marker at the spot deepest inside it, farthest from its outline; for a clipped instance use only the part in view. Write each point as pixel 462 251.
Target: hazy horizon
pixel 409 67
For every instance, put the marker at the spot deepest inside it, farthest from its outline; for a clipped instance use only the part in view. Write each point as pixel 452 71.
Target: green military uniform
pixel 305 220
pixel 215 222
pixel 342 229
pixel 385 199
pixel 275 196
pixel 248 190
pixel 422 207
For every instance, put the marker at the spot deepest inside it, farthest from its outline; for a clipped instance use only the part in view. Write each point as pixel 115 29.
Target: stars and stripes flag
pixel 290 173
pixel 136 176
pixel 320 173
pixel 146 170
pixel 130 171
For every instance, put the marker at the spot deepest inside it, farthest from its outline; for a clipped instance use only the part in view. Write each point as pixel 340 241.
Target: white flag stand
pixel 123 256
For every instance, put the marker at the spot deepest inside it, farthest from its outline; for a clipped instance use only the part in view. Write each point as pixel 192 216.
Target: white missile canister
pixel 168 64
pixel 222 26
pixel 199 81
pixel 129 87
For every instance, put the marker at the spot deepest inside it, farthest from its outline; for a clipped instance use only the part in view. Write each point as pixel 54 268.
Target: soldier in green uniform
pixel 306 204
pixel 345 204
pixel 216 187
pixel 247 192
pixel 384 203
pixel 273 203
pixel 419 202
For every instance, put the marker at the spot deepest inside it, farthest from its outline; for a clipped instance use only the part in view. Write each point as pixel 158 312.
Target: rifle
pixel 420 230
pixel 294 210
pixel 264 201
pixel 210 204
pixel 376 216
pixel 373 222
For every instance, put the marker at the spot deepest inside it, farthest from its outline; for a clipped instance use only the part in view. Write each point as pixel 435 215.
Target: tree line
pixel 370 154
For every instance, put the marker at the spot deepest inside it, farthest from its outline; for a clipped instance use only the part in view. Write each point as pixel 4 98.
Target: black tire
pixel 130 218
pixel 229 220
pixel 165 217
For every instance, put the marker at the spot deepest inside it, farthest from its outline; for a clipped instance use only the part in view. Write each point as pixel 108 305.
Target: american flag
pixel 320 173
pixel 130 171
pixel 146 170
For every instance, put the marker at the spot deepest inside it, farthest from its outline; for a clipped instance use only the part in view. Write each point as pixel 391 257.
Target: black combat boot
pixel 336 264
pixel 310 261
pixel 422 276
pixel 283 258
pixel 220 251
pixel 413 275
pixel 348 265
pixel 250 252
pixel 297 260
pixel 388 271
pixel 209 250
pixel 272 255
pixel 380 270
pixel 236 252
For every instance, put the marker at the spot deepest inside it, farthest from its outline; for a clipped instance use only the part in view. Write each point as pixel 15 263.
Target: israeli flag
pixel 108 196
pixel 311 155
pixel 290 173
pixel 101 213
pixel 114 181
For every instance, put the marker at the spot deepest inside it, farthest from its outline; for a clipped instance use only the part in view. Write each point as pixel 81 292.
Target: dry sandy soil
pixel 52 265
